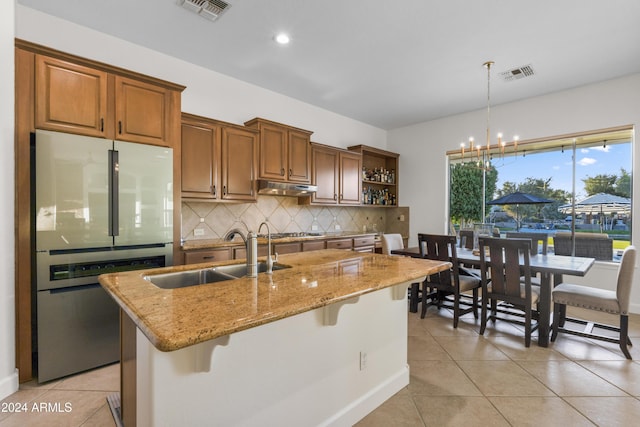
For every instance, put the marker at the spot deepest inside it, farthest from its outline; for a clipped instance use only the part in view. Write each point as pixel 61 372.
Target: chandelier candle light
pixel 501 144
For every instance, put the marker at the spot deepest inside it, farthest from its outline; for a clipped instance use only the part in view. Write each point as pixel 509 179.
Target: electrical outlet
pixel 401 218
pixel 198 231
pixel 363 360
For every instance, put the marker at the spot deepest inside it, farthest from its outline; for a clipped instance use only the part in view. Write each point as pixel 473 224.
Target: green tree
pixel 623 184
pixel 466 191
pixel 601 183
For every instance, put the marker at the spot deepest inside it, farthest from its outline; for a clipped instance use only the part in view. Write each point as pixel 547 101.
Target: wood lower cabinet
pixel 240 252
pixel 285 152
pixel 346 244
pixel 287 248
pixel 315 245
pixel 364 244
pixel 89 100
pixel 207 255
pixel 218 160
pixel 337 174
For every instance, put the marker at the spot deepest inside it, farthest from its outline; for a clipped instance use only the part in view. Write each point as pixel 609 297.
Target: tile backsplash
pixel 206 220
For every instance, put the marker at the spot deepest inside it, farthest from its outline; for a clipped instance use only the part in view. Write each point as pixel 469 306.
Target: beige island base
pixel 321 343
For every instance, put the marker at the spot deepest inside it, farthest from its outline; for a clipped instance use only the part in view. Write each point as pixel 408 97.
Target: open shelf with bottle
pixel 379 176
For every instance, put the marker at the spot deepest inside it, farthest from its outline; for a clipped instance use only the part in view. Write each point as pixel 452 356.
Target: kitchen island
pixel 321 343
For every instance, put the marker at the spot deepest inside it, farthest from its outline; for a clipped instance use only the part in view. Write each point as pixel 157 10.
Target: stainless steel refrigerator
pixel 100 206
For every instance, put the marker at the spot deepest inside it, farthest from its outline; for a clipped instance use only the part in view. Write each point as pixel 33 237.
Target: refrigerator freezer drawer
pixel 78 329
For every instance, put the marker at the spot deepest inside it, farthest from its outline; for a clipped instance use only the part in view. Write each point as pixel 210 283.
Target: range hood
pixel 275 188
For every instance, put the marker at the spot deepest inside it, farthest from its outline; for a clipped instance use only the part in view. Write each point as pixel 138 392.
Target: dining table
pixel 551 268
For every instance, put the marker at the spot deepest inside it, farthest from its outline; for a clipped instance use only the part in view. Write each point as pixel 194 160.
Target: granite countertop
pixel 190 245
pixel 176 318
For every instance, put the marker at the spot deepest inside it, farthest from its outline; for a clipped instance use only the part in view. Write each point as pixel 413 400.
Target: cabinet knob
pixel 101 124
pixel 120 127
pixel 224 190
pixel 290 172
pixel 282 171
pixel 213 190
pixel 335 196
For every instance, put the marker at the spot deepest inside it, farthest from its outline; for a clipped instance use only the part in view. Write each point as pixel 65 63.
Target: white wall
pixel 8 374
pixel 422 147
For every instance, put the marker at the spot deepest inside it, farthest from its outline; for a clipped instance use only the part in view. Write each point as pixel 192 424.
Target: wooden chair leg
pixel 527 327
pixel 456 310
pixel 556 320
pixel 425 293
pixel 624 335
pixel 483 321
pixel 475 303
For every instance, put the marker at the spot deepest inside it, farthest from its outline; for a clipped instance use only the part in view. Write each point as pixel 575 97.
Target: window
pixel 579 184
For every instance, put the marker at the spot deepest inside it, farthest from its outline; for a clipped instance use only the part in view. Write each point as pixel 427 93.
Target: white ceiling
pixel 386 63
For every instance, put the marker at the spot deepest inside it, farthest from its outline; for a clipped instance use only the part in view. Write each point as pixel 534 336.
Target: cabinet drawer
pixel 312 246
pixel 210 255
pixel 363 241
pixel 340 244
pixel 287 248
pixel 241 252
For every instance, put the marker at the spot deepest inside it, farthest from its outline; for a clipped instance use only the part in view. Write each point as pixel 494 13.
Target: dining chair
pixel 539 245
pixel 609 301
pixel 504 262
pixel 393 241
pixel 466 238
pixel 443 248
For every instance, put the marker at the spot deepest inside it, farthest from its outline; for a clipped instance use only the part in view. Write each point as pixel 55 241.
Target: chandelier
pixel 483 153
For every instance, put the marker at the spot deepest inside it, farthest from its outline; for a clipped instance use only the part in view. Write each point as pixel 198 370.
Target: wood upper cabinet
pixel 239 150
pixel 284 152
pixel 142 111
pixel 350 178
pixel 218 160
pixel 199 161
pixel 325 174
pixel 78 98
pixel 70 97
pixel 337 174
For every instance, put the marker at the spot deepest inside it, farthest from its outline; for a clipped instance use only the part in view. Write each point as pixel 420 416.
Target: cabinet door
pixel 273 152
pixel 299 157
pixel 70 98
pixel 142 112
pixel 325 175
pixel 200 157
pixel 350 179
pixel 238 164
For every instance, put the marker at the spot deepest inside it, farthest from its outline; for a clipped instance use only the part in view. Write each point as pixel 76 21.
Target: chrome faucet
pixel 269 260
pixel 251 244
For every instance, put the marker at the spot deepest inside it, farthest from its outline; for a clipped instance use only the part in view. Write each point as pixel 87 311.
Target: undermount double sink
pixel 182 279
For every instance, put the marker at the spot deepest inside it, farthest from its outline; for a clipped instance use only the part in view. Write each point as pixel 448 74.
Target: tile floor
pixel 457 378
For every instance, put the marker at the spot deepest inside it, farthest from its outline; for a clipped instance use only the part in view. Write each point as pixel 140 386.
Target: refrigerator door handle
pixel 114 201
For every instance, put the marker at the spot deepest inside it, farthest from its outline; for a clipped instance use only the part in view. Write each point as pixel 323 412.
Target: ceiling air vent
pixel 209 9
pixel 517 73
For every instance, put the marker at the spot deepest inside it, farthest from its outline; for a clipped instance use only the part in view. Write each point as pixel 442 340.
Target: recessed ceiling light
pixel 282 38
